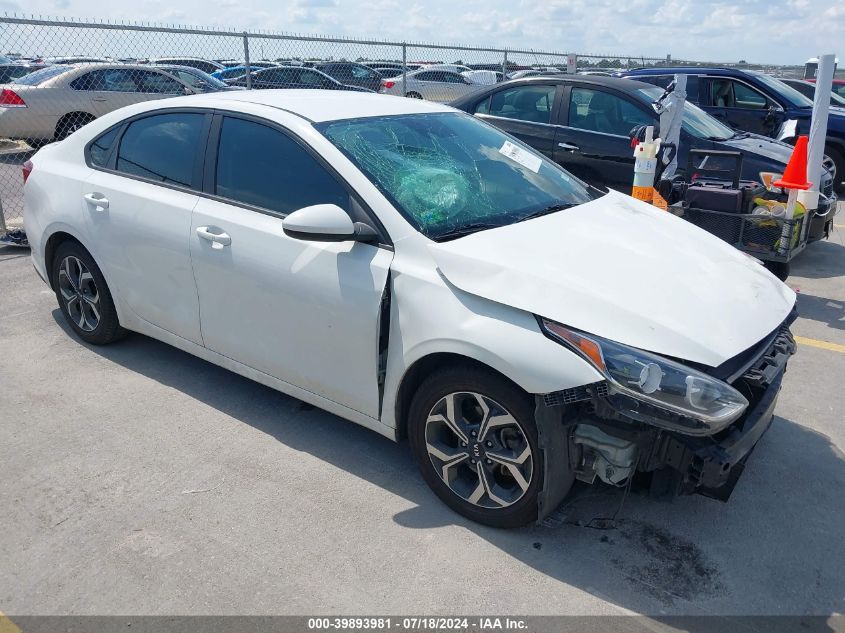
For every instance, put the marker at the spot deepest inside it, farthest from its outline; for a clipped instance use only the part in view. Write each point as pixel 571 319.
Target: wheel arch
pixel 67 116
pixel 424 367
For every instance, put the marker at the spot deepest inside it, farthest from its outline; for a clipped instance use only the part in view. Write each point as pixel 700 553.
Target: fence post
pixel 246 62
pixel 2 219
pixel 505 67
pixel 404 67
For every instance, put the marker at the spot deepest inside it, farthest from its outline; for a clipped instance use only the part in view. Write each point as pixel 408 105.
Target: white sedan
pixel 417 271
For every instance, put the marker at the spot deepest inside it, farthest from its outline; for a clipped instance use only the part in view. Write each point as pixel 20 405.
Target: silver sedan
pixel 433 85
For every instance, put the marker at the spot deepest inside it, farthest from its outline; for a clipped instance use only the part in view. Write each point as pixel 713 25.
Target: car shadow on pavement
pixel 823 259
pixel 776 547
pixel 828 311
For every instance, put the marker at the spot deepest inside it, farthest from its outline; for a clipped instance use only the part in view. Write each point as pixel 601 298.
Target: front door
pixel 743 107
pixel 304 312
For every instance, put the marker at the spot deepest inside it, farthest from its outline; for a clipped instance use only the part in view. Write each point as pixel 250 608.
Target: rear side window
pixel 260 166
pixel 525 103
pixel 161 147
pixel 40 76
pixel 100 148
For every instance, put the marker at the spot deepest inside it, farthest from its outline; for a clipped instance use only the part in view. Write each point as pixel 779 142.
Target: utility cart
pixel 746 214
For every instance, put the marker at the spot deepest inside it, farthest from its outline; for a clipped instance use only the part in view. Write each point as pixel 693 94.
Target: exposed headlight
pixel 656 380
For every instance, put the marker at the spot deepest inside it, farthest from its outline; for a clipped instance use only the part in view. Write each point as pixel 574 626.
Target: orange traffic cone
pixel 795 176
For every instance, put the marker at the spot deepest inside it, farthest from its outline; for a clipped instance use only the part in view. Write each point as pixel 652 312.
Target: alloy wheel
pixel 479 450
pixel 80 294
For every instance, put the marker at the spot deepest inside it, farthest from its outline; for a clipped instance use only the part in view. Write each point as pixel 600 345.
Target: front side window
pixel 446 172
pixel 525 103
pixel 161 147
pixel 599 111
pixel 260 166
pixel 749 98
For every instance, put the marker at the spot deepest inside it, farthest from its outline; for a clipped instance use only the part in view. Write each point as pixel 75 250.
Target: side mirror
pixel 187 91
pixel 326 223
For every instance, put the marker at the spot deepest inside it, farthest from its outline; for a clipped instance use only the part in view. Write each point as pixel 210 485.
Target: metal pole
pixel 2 219
pixel 404 67
pixel 505 67
pixel 246 62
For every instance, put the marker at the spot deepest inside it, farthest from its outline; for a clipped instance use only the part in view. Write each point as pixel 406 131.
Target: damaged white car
pixel 419 272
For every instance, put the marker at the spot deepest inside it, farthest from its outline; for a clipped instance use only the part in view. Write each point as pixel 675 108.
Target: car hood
pixel 624 270
pixel 760 145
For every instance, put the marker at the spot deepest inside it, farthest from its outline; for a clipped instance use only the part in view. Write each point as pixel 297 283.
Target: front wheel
pixel 473 436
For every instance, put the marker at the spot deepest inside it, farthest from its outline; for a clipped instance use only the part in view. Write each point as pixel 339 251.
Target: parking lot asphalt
pixel 136 479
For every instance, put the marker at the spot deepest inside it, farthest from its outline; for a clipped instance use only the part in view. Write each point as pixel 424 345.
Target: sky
pixel 762 31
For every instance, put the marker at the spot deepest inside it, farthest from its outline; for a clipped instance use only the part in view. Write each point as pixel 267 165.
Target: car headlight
pixel 661 382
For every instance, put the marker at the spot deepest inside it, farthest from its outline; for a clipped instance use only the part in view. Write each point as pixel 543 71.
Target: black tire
pixel 107 328
pixel 778 269
pixel 520 405
pixel 838 158
pixel 413 95
pixel 71 122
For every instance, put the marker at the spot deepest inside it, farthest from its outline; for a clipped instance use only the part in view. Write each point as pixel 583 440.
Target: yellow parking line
pixel 834 347
pixel 7 626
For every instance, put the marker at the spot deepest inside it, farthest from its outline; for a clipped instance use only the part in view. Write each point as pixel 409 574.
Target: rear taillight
pixel 10 99
pixel 27 170
pixel 387 84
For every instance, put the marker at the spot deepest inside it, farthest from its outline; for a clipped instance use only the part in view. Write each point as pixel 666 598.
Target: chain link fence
pixel 67 73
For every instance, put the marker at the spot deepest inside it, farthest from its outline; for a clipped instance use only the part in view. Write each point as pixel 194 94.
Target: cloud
pixel 778 31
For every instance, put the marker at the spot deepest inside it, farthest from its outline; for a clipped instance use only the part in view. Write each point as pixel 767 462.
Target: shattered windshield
pixel 449 173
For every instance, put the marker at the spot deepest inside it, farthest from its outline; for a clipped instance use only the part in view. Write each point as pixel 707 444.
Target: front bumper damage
pixel 677 462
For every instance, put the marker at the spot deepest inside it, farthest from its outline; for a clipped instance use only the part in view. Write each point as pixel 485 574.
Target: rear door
pixel 594 140
pixel 304 312
pixel 138 203
pixel 527 112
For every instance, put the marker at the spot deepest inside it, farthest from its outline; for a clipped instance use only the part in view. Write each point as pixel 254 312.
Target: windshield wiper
pixel 465 229
pixel 547 210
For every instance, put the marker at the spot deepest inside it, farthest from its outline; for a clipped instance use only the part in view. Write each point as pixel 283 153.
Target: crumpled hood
pixel 624 270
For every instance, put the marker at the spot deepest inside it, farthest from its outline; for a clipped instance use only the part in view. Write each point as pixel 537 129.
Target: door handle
pixel 218 240
pixel 98 99
pixel 568 147
pixel 97 200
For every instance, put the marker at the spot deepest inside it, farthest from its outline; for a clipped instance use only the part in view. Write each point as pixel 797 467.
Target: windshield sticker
pixel 519 155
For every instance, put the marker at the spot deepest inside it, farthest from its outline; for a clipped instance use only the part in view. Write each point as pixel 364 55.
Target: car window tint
pixel 161 147
pixel 99 149
pixel 483 107
pixel 260 166
pixel 428 76
pixel 525 103
pixel 107 80
pixel 40 76
pixel 156 83
pixel 310 78
pixel 749 98
pixel 599 111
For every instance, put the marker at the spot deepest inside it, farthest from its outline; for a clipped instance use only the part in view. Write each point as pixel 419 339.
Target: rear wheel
pixel 69 123
pixel 83 296
pixel 474 438
pixel 413 95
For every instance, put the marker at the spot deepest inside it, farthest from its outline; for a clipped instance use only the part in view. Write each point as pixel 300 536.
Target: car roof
pixel 686 70
pixel 316 105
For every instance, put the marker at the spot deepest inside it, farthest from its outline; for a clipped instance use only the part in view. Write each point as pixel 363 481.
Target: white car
pixel 412 269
